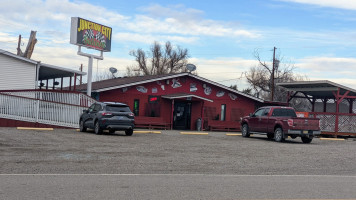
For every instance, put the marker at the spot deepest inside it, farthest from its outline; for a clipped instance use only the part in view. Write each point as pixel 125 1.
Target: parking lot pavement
pixel 66 151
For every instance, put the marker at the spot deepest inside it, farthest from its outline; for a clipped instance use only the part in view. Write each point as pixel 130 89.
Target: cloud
pixel 149 38
pixel 341 4
pixel 340 70
pixel 185 21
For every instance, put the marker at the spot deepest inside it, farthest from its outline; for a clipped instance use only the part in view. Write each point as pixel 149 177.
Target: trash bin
pixel 199 124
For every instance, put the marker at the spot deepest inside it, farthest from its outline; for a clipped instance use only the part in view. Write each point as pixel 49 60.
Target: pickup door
pixel 256 119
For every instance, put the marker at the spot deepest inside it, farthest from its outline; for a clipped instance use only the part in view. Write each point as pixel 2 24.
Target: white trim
pixel 186 95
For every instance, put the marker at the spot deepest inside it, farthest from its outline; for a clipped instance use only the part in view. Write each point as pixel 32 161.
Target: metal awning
pixel 318 89
pixel 47 71
pixel 185 95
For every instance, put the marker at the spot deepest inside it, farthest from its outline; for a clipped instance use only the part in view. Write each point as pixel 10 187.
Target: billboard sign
pixel 90 34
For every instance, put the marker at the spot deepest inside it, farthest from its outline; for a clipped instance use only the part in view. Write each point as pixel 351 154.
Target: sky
pixel 318 37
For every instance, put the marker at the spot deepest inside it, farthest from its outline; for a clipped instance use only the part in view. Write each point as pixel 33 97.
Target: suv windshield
pixel 115 108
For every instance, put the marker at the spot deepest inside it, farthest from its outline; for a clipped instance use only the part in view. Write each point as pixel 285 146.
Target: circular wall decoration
pixel 141 89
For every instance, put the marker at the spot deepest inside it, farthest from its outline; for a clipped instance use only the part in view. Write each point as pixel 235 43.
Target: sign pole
pixel 90 66
pixel 90 72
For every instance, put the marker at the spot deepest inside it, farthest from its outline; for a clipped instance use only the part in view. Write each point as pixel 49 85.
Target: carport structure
pixel 331 102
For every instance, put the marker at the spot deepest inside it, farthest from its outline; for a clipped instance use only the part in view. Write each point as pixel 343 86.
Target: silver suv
pixel 110 116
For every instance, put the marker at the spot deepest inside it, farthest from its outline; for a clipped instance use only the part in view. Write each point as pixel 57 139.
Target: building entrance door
pixel 182 115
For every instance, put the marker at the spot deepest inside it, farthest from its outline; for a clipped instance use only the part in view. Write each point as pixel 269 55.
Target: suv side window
pixel 91 108
pixel 97 108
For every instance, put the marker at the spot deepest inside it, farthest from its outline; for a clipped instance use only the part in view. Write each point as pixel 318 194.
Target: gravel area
pixel 66 151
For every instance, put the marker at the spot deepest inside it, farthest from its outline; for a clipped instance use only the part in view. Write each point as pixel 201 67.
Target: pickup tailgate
pixel 300 123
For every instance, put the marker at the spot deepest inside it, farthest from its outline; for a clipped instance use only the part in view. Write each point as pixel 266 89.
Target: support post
pixel 324 104
pixel 61 83
pixel 70 83
pixel 172 114
pixel 90 71
pixel 47 84
pixel 351 105
pixel 337 111
pixel 75 81
pixel 272 75
pixel 202 116
pixel 54 80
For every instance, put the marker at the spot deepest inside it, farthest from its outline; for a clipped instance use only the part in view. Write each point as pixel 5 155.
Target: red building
pixel 177 101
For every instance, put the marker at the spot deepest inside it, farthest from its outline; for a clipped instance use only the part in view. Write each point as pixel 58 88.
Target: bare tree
pixel 159 60
pixel 260 79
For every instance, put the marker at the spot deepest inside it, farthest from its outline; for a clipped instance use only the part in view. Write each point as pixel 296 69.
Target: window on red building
pixel 136 107
pixel 223 112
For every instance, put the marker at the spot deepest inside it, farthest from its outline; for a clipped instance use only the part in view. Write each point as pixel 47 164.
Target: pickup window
pixel 279 112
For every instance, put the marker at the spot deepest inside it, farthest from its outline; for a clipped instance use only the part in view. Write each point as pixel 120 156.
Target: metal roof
pixel 46 71
pixel 111 84
pixel 318 89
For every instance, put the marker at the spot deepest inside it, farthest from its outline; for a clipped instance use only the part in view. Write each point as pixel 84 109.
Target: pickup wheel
pixel 245 131
pixel 270 136
pixel 278 135
pixel 306 140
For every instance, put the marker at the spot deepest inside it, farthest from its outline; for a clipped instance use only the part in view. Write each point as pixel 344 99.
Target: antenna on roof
pixel 113 70
pixel 191 67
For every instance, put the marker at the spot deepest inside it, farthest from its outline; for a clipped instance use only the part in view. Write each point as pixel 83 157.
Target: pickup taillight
pixel 290 122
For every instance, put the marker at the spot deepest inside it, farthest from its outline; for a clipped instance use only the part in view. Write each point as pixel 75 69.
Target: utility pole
pixel 272 75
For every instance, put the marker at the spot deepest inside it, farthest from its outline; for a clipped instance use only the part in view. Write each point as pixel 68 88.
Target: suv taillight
pixel 131 115
pixel 106 114
pixel 290 122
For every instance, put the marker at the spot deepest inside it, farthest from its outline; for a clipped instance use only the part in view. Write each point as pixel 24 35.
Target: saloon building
pixel 181 101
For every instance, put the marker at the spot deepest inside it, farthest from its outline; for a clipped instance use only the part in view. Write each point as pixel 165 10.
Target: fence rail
pixel 60 110
pixel 346 122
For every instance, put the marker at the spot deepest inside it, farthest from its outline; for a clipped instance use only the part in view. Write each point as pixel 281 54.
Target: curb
pixel 193 133
pixel 33 128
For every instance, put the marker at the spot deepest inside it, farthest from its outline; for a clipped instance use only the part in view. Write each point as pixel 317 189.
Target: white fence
pixel 54 96
pixel 25 107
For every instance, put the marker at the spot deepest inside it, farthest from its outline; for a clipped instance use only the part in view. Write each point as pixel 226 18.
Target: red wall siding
pixel 240 106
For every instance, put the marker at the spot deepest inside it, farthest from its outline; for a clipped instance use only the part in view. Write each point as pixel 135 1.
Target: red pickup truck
pixel 279 123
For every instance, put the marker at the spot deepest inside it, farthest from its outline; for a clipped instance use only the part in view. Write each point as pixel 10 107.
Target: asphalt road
pixel 168 186
pixel 65 164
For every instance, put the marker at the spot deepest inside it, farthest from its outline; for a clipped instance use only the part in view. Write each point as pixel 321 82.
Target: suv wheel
pixel 82 128
pixel 97 128
pixel 306 140
pixel 278 135
pixel 245 131
pixel 129 132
